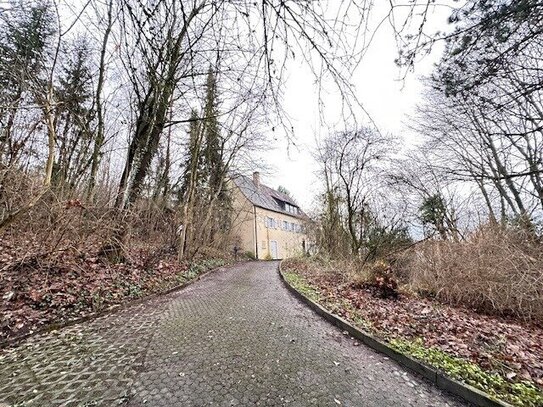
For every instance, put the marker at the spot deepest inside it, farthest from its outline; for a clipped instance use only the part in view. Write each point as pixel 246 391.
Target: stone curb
pixel 110 310
pixel 439 379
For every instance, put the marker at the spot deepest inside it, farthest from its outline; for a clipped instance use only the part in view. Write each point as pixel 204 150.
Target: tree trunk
pixel 51 139
pixel 100 131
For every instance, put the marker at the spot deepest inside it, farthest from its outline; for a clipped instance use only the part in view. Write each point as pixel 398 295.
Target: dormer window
pixel 291 209
pixel 282 204
pixel 285 206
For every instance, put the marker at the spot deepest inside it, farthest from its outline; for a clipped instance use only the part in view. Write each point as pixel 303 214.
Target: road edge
pixel 436 377
pixel 16 340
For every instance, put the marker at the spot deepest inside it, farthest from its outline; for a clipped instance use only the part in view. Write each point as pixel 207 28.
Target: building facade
pixel 266 224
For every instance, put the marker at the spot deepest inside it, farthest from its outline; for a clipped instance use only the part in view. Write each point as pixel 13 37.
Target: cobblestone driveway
pixel 237 337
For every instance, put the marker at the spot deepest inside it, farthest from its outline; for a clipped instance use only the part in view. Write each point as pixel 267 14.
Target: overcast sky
pixel 389 100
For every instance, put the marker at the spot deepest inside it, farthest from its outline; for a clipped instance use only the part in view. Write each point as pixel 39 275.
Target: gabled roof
pixel 264 196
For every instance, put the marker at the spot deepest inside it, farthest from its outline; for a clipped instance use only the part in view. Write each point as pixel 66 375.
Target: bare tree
pixel 99 137
pixel 353 163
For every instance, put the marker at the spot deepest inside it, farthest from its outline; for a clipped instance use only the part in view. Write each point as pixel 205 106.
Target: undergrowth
pixel 202 266
pixel 301 284
pixel 522 393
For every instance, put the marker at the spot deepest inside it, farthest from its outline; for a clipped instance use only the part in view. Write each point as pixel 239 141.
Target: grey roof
pixel 264 196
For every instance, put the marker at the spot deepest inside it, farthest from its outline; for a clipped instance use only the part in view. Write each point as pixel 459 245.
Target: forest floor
pixel 39 289
pixel 501 356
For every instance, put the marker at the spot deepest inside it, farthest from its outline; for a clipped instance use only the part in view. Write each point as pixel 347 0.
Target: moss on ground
pixel 301 284
pixel 520 393
pixel 524 393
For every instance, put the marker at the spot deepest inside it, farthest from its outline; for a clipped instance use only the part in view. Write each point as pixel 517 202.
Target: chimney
pixel 256 179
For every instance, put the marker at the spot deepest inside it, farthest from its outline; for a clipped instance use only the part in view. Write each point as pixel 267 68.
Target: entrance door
pixel 273 249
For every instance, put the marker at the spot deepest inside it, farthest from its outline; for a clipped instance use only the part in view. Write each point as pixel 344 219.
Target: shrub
pixel 378 278
pixel 495 270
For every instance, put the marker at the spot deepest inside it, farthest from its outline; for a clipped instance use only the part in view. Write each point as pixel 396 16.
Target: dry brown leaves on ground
pixel 38 288
pixel 510 347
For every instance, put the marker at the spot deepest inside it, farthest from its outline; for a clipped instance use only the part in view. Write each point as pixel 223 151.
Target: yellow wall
pixel 289 243
pixel 242 226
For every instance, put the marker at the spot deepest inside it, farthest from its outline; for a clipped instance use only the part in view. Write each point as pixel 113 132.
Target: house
pixel 267 223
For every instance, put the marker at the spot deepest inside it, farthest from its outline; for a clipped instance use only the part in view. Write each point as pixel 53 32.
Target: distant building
pixel 267 223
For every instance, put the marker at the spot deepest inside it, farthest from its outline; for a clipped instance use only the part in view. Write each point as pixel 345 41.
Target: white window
pixel 292 209
pixel 285 225
pixel 271 223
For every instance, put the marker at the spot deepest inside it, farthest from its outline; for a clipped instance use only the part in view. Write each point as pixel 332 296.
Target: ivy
pixel 520 394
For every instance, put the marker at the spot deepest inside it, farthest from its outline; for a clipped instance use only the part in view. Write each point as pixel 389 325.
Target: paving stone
pixel 235 338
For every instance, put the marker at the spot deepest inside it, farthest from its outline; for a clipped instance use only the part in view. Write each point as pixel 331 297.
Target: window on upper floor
pixel 291 209
pixel 281 204
pixel 270 223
